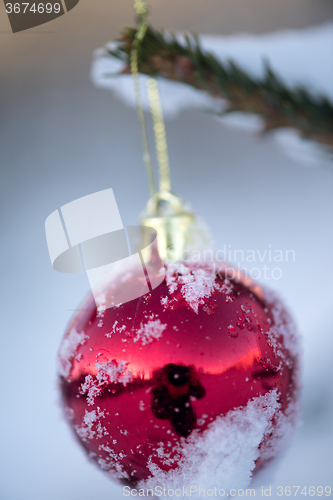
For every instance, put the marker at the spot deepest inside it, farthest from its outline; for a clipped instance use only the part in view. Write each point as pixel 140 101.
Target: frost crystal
pixel 113 373
pixel 282 432
pixel 92 419
pixel 224 455
pixel 116 329
pixel 164 301
pixel 196 284
pixel 68 350
pixel 283 325
pixel 150 331
pixel 111 463
pixel 110 372
pixel 91 387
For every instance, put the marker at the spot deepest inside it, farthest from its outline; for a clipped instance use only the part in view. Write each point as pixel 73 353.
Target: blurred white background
pixel 61 139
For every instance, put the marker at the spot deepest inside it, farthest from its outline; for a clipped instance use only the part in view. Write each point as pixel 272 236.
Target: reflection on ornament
pixel 171 397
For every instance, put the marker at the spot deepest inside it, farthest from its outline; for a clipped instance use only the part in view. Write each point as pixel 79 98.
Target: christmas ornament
pixel 194 384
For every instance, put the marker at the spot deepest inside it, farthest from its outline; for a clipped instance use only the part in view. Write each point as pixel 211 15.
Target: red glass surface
pixel 200 366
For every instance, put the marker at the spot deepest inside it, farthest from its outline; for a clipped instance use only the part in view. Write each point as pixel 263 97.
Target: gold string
pixel 160 135
pixel 141 9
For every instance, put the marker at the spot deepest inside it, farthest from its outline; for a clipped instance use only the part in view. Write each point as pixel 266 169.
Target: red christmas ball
pixel 195 383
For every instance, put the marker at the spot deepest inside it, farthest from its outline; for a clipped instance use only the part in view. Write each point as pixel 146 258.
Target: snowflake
pixel 68 350
pixel 110 372
pixel 91 419
pixel 150 331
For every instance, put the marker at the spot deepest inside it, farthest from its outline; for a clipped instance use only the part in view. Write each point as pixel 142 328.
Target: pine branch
pixel 161 54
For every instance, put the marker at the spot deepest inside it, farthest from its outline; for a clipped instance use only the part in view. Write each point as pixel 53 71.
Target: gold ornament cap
pixel 178 228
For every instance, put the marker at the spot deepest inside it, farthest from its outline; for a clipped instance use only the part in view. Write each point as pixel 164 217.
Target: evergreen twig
pixel 162 54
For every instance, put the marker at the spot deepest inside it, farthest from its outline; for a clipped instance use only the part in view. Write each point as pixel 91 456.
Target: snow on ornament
pixel 197 384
